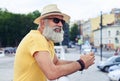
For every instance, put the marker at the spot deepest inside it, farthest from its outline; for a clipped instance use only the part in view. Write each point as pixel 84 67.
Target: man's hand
pixel 88 59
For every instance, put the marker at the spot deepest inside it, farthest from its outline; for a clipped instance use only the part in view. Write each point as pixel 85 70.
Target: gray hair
pixel 46 23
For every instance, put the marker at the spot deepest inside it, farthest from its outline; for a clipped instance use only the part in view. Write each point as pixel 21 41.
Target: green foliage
pixel 74 32
pixel 34 14
pixel 13 27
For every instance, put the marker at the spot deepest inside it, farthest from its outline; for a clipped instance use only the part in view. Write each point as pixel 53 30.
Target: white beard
pixel 50 34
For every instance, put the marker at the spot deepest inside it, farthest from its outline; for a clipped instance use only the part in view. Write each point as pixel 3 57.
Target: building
pixel 94 23
pixel 110 37
pixel 87 31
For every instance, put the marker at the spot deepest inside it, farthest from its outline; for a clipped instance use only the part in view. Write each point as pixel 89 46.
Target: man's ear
pixel 42 24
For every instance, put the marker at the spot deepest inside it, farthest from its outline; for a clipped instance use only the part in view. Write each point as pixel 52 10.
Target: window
pixel 109 41
pixel 109 33
pixel 117 32
pixel 116 40
pixel 117 59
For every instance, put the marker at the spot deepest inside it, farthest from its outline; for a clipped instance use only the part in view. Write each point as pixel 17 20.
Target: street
pixel 6 68
pixel 91 74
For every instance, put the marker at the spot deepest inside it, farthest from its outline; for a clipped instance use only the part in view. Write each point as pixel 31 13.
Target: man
pixel 80 42
pixel 35 58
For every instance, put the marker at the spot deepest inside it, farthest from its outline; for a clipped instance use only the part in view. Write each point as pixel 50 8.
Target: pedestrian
pixel 80 42
pixel 35 58
pixel 116 51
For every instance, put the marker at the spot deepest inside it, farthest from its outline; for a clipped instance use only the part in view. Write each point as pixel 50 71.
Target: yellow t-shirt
pixel 25 66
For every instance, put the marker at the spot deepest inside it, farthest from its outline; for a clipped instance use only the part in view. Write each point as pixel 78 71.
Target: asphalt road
pixel 6 68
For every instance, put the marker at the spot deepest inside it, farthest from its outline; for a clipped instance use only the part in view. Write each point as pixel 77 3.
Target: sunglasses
pixel 57 20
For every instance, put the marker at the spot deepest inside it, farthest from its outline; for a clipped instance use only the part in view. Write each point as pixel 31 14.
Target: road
pixel 6 68
pixel 91 74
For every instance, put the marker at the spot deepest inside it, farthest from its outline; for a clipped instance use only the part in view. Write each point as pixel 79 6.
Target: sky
pixel 76 9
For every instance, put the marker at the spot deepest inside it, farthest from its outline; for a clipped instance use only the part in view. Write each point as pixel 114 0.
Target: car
pixel 71 44
pixel 114 75
pixel 114 67
pixel 1 53
pixel 9 50
pixel 104 65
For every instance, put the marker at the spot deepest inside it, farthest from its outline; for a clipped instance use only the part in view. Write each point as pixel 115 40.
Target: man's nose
pixel 60 24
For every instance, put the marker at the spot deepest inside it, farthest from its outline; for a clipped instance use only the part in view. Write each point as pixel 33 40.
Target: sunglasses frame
pixel 57 20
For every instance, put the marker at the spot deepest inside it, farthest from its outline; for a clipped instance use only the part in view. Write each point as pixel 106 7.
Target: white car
pixel 104 65
pixel 114 75
pixel 114 67
pixel 1 53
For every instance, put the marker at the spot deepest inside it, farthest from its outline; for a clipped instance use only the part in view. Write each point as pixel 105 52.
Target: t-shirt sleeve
pixel 38 43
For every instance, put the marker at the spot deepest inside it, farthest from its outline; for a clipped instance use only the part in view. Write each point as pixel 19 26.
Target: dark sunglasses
pixel 57 20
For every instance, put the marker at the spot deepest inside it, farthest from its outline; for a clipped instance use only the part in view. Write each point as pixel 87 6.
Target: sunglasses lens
pixel 63 22
pixel 56 20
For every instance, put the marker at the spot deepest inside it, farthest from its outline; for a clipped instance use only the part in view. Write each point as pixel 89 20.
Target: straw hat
pixel 51 10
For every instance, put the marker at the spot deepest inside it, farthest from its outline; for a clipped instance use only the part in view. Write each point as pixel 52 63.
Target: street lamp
pixel 101 45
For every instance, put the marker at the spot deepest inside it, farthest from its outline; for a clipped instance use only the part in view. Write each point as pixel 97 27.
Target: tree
pixel 74 32
pixel 34 14
pixel 66 34
pixel 13 27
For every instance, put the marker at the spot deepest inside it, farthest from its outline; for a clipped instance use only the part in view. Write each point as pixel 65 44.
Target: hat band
pixel 51 12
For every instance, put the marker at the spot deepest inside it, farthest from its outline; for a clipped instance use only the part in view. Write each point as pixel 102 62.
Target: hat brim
pixel 65 17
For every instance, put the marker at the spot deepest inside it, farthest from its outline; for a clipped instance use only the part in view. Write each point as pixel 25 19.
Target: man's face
pixel 53 29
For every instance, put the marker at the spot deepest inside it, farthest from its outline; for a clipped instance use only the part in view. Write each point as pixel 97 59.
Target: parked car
pixel 8 50
pixel 104 65
pixel 114 67
pixel 114 75
pixel 1 52
pixel 71 44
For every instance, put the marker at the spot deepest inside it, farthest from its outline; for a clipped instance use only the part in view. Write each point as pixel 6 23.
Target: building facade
pixel 110 37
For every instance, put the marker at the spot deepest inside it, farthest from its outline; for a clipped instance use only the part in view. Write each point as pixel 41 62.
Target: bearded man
pixel 35 58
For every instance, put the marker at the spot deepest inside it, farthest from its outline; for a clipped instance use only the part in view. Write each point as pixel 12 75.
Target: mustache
pixel 57 29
